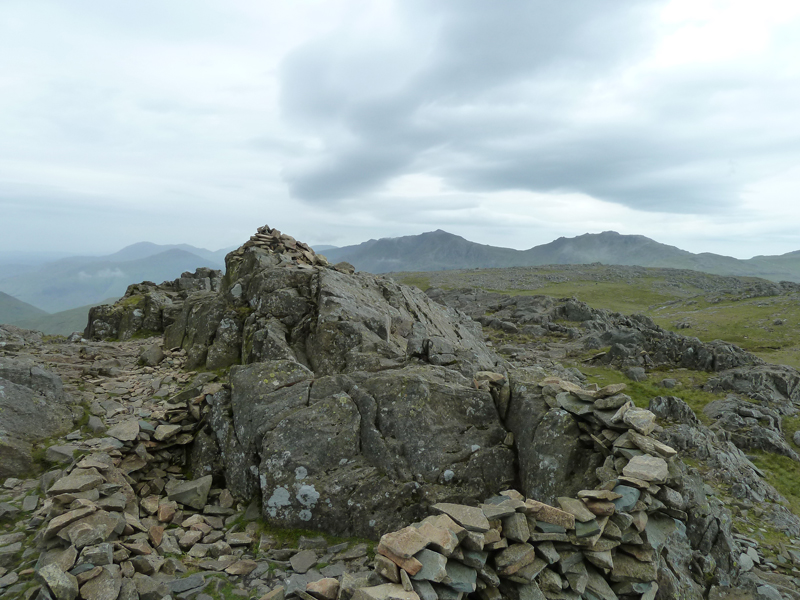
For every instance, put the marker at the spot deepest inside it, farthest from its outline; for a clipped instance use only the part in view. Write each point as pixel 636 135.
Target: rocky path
pixel 116 516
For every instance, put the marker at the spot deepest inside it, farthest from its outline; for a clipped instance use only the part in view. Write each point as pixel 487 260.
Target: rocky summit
pixel 205 437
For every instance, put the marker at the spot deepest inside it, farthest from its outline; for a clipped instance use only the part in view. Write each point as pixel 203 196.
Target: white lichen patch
pixel 280 498
pixel 308 496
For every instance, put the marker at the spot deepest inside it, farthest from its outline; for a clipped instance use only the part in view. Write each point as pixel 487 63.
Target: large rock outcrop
pixel 33 407
pixel 147 308
pixel 632 340
pixel 355 405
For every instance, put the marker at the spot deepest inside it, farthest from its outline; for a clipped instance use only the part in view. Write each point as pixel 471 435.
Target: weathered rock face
pixel 329 321
pixel 148 308
pixel 33 407
pixel 750 426
pixel 775 385
pixel 354 453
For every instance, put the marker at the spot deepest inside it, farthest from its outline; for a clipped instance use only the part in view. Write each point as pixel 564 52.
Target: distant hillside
pixel 142 250
pixel 439 250
pixel 12 310
pixel 81 281
pixel 434 251
pixel 61 323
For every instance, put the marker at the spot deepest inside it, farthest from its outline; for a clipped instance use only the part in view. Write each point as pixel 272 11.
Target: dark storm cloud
pixel 541 96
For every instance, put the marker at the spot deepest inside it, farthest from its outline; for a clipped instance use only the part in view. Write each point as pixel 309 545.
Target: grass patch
pixel 690 388
pixel 420 281
pixel 782 473
pixel 290 538
pixel 618 297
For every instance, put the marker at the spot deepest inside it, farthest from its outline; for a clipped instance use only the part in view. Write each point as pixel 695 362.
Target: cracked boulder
pixel 354 454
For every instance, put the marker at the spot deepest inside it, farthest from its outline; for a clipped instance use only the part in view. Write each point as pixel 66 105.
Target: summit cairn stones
pixel 592 546
pixel 471 518
pixel 647 468
pixel 404 543
pixel 576 508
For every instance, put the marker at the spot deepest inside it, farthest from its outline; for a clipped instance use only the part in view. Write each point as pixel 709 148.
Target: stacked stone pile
pixel 121 520
pixel 602 545
pixel 272 240
pixel 512 547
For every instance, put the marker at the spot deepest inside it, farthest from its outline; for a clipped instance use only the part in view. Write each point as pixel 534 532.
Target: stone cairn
pixel 592 547
pixel 275 242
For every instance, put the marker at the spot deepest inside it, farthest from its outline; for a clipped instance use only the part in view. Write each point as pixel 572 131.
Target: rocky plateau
pixel 293 428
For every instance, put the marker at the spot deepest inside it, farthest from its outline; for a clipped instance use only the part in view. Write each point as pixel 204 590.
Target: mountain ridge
pixel 440 250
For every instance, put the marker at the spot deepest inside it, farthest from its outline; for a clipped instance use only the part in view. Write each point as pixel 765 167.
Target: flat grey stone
pixel 303 561
pixel 63 585
pixel 127 431
pixel 460 577
pixel 192 493
pixel 433 566
pixel 469 517
pixel 629 496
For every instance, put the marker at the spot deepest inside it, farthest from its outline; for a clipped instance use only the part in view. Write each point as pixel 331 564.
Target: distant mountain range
pixel 80 281
pixel 69 286
pixel 441 251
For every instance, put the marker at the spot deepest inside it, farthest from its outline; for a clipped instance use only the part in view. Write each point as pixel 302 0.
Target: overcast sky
pixel 508 122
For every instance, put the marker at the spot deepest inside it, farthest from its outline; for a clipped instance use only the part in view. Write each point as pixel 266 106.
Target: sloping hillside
pixel 12 310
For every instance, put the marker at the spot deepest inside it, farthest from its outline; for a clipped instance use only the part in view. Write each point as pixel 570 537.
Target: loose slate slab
pixel 127 431
pixel 164 432
pixel 516 529
pixel 648 468
pixel 599 494
pixel 404 543
pixel 439 539
pixel 191 493
pixel 469 517
pixel 640 419
pixel 513 558
pixel 576 508
pixel 549 514
pixel 651 446
pixel 612 402
pixel 75 483
pixel 446 522
pixel 63 585
pixel 387 591
pixel 461 577
pixel 433 566
pixel 628 497
pixel 571 404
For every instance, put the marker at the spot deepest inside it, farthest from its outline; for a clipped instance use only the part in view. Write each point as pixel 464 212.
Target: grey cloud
pixel 502 104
